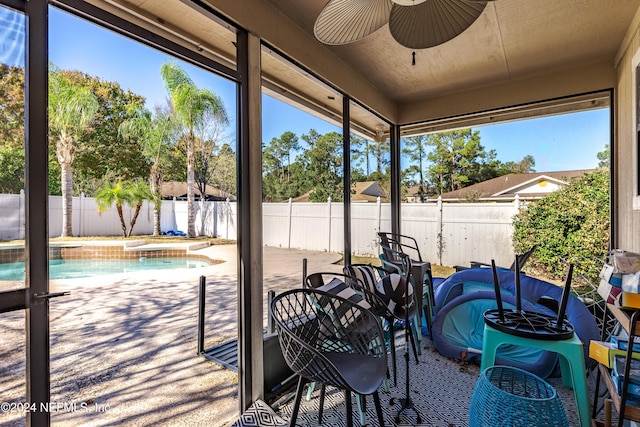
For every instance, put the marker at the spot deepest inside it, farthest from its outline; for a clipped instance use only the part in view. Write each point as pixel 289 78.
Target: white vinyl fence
pixel 448 234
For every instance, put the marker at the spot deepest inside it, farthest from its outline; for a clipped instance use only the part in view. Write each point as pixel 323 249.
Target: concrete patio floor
pixel 123 351
pixel 440 390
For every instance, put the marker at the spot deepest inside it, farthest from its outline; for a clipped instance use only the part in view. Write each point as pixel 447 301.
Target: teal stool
pixel 571 363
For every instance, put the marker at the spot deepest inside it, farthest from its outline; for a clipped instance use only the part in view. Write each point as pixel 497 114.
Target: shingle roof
pixel 506 186
pixel 178 190
pixel 365 191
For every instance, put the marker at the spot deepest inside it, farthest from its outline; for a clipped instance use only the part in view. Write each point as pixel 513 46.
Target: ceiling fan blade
pixel 345 21
pixel 433 22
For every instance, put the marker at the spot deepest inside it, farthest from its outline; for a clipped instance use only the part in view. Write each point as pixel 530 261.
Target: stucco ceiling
pixel 514 46
pixel 512 39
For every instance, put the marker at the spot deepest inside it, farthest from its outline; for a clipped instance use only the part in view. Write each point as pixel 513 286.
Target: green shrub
pixel 569 225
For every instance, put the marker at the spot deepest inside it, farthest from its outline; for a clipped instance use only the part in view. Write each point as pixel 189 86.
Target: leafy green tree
pixel 209 163
pixel 486 166
pixel 156 133
pixel 416 148
pixel 132 193
pixel 571 224
pixel 526 165
pixel 71 110
pixel 224 166
pixel 97 142
pixel 11 129
pixel 272 189
pixel 126 157
pixel 603 157
pixel 12 110
pixel 277 167
pixel 55 187
pixel 380 151
pixel 208 152
pixel 190 104
pixel 363 151
pixel 323 166
pixel 360 153
pixel 447 161
pixel 286 145
pixel 176 167
pixel 455 156
pixel 12 170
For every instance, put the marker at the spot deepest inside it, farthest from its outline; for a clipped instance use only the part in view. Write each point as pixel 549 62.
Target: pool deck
pixel 124 346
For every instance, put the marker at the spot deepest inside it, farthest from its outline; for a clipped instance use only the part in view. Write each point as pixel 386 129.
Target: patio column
pixel 395 178
pixel 346 161
pixel 250 288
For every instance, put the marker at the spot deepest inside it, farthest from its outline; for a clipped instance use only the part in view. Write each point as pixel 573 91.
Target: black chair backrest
pixel 317 330
pixel 364 278
pixel 366 274
pixel 394 261
pixel 323 278
pixel 400 243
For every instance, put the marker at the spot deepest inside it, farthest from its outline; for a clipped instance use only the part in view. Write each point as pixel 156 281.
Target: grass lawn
pixel 436 270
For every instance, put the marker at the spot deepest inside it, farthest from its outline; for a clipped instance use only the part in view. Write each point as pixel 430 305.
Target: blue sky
pixel 557 143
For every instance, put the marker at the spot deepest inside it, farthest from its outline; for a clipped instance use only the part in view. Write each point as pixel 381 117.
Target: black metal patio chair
pixel 368 276
pixel 395 247
pixel 332 341
pixel 354 289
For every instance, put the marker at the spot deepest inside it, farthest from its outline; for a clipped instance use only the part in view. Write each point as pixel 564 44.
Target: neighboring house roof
pixel 526 185
pixel 414 191
pixel 366 191
pixel 178 190
pixel 306 197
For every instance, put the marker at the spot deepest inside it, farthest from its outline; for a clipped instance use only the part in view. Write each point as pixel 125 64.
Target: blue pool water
pixel 78 268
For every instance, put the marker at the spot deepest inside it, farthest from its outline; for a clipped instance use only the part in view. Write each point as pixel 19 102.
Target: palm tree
pixel 121 193
pixel 139 192
pixel 111 193
pixel 191 105
pixel 156 132
pixel 71 110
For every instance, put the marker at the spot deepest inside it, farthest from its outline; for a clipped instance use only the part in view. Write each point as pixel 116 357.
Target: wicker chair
pixel 332 341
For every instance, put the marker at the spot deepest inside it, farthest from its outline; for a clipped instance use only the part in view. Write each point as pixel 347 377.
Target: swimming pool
pixel 79 268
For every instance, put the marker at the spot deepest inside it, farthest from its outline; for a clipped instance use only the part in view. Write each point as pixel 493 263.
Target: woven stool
pixel 571 362
pixel 507 396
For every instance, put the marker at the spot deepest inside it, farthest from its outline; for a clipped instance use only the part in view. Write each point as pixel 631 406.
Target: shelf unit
pixel 628 319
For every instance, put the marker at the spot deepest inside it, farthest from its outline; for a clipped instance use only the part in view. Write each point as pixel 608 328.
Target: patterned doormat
pixel 440 390
pixel 259 415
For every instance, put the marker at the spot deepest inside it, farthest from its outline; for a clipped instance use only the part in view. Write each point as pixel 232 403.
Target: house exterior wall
pixel 536 188
pixel 627 219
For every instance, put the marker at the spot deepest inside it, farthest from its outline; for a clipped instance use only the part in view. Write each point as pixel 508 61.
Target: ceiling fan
pixel 416 24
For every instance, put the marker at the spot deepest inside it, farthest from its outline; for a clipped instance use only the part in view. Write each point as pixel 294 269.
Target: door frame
pixel 34 297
